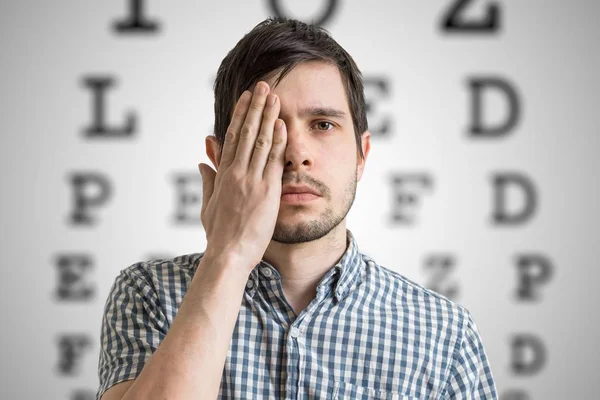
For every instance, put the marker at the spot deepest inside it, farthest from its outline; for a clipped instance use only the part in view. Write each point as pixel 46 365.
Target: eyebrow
pixel 322 112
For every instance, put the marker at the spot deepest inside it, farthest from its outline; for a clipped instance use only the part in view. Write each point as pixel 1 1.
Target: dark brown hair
pixel 276 46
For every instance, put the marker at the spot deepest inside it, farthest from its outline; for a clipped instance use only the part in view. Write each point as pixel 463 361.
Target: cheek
pixel 337 165
pixel 339 152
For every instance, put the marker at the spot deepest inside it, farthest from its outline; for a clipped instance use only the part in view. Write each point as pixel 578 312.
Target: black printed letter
pixel 71 271
pixel 71 349
pixel 98 127
pixel 321 20
pixel 442 265
pixel 477 86
pixel 82 394
pixel 534 270
pixel 515 394
pixel 83 202
pixel 382 86
pixel 186 214
pixel 455 21
pixel 404 199
pixel 135 22
pixel 501 182
pixel 521 365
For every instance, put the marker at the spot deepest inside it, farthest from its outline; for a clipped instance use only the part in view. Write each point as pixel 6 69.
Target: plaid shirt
pixel 370 333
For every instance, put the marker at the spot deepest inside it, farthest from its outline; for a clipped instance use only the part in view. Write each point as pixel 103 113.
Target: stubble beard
pixel 308 231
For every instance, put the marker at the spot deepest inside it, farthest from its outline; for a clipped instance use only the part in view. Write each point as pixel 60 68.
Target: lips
pixel 298 197
pixel 303 189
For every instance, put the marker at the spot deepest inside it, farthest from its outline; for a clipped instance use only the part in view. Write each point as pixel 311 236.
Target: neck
pixel 303 265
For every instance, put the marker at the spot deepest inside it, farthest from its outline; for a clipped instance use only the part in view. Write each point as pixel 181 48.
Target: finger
pixel 208 183
pixel 276 160
pixel 232 136
pixel 263 143
pixel 251 125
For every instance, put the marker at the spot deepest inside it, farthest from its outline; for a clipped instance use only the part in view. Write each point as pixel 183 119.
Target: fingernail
pixel 260 89
pixel 245 96
pixel 278 124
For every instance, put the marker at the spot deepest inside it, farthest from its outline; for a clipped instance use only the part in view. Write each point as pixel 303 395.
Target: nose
pixel 297 154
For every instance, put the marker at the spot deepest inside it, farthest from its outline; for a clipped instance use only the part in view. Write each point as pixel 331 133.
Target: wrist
pixel 226 263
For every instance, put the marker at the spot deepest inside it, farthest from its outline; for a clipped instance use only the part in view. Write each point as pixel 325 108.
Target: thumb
pixel 208 183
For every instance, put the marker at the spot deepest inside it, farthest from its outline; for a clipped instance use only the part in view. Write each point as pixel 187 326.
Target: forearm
pixel 188 363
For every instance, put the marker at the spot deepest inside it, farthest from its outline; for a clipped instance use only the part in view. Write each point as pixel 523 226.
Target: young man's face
pixel 321 152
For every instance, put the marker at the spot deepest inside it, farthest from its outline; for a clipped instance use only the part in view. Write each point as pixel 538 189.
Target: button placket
pixel 294 332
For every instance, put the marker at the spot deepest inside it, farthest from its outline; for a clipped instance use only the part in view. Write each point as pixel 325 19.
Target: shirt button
pixel 267 272
pixel 295 332
pixel 250 284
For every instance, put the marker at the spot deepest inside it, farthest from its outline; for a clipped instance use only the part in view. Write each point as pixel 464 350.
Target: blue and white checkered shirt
pixel 370 333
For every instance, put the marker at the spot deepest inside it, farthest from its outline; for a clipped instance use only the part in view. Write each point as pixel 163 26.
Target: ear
pixel 212 150
pixel 366 146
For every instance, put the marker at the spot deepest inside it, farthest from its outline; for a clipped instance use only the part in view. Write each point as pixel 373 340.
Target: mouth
pixel 298 197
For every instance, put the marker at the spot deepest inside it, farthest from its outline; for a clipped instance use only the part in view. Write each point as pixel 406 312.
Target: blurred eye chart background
pixel 481 184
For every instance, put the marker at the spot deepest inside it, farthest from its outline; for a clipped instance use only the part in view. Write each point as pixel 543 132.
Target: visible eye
pixel 323 124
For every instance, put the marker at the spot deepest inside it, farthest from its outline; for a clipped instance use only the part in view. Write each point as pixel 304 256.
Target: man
pixel 282 304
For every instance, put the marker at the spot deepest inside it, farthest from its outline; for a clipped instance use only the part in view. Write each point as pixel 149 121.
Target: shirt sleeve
pixel 470 375
pixel 133 325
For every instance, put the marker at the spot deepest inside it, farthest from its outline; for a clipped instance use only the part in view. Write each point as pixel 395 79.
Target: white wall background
pixel 548 49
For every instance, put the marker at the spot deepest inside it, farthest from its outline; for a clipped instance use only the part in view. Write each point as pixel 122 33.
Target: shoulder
pixel 161 271
pixel 157 283
pixel 423 304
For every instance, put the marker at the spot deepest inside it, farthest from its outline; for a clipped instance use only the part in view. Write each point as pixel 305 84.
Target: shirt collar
pixel 339 278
